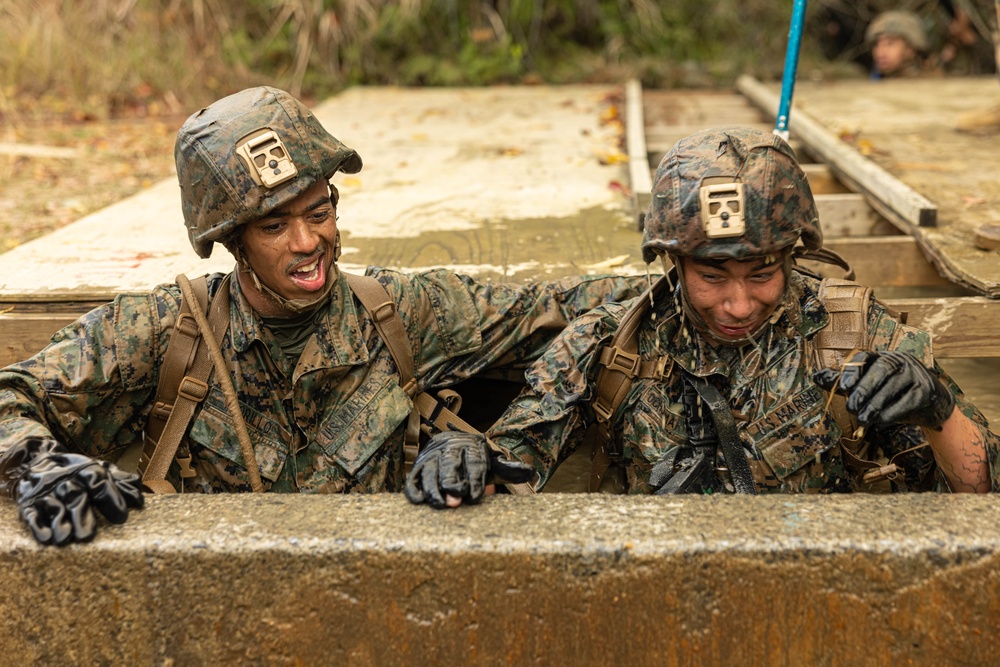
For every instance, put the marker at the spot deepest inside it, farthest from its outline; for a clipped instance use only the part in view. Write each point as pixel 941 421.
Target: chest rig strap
pixel 620 364
pixel 429 414
pixel 192 352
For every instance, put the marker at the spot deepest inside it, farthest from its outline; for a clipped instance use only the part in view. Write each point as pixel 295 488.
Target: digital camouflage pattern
pixel 899 23
pixel 332 423
pixel 218 191
pixel 793 444
pixel 779 207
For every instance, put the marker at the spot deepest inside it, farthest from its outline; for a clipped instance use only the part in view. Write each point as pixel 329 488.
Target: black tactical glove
pixel 885 388
pixel 56 491
pixel 459 464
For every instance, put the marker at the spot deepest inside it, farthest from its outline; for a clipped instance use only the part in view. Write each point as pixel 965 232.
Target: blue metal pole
pixel 791 65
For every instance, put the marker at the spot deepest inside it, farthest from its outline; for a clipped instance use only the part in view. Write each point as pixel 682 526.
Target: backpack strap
pixel 434 415
pixel 847 332
pixel 620 365
pixel 182 387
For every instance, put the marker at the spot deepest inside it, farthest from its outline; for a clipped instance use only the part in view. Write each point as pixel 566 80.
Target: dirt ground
pixel 113 159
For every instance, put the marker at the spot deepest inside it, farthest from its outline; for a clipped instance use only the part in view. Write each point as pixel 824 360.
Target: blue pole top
pixel 791 65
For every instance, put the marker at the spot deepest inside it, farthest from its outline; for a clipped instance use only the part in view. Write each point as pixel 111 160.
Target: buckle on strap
pixel 192 389
pixel 187 325
pixel 621 361
pixel 602 411
pixel 384 312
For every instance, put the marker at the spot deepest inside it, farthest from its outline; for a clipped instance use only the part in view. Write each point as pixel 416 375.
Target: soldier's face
pixel 291 250
pixel 892 53
pixel 734 297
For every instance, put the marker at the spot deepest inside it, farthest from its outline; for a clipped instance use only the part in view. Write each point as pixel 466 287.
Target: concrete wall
pixel 557 579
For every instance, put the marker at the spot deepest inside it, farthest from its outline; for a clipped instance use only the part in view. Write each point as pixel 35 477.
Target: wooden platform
pixel 906 127
pixel 534 182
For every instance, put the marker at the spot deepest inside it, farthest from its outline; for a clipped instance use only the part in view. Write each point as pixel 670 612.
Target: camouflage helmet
pixel 247 154
pixel 729 193
pixel 902 24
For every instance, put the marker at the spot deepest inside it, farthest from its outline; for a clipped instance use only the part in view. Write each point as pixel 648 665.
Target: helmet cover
pixel 769 198
pixel 248 154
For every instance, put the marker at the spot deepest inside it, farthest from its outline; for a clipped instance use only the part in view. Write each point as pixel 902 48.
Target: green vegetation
pixel 116 58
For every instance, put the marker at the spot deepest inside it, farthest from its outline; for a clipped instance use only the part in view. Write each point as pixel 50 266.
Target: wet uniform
pixel 332 422
pixel 792 440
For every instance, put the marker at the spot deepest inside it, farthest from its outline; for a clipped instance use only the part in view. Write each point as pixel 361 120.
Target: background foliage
pixel 111 58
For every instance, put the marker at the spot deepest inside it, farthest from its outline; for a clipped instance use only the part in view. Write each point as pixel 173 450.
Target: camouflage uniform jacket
pixel 332 423
pixel 792 441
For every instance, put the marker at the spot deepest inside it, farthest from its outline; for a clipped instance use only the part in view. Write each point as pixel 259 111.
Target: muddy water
pixel 595 240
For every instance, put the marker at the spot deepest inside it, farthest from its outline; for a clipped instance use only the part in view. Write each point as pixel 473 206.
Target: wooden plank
pixel 845 214
pixel 640 180
pixel 661 138
pixel 888 195
pixel 821 179
pixel 23 335
pixel 960 326
pixel 886 261
pixel 36 150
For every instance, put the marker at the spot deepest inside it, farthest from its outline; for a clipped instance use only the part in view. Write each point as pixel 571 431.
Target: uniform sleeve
pixel 467 328
pixel 905 442
pixel 90 386
pixel 547 422
pixel 460 328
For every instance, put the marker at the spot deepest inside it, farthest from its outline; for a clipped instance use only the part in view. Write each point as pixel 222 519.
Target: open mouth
pixel 310 276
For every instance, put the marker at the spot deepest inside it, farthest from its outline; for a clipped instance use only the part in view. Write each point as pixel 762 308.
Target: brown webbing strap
pixel 183 385
pixel 228 391
pixel 438 416
pixel 620 365
pixel 390 328
pixel 846 333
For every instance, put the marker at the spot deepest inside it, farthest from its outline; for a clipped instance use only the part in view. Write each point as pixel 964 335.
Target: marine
pixel 739 371
pixel 307 395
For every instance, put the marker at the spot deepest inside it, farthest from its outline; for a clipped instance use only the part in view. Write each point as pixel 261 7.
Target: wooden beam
pixel 36 150
pixel 884 261
pixel 821 180
pixel 888 195
pixel 22 335
pixel 845 214
pixel 640 179
pixel 960 326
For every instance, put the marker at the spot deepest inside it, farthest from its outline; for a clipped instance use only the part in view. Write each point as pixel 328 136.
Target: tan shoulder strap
pixel 183 384
pixel 620 365
pixel 389 325
pixel 435 414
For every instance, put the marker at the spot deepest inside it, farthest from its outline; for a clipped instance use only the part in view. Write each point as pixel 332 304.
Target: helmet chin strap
pixel 699 322
pixel 296 306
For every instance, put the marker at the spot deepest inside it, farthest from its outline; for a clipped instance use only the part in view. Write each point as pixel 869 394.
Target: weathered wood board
pixel 491 181
pixel 907 127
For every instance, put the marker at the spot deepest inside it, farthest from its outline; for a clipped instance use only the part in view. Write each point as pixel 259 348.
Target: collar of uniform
pixel 812 313
pixel 338 337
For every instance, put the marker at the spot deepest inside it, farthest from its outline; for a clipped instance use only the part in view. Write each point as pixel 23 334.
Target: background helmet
pixel 248 154
pixel 902 24
pixel 756 198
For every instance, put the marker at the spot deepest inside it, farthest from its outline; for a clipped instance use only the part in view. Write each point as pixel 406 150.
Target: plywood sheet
pixel 502 182
pixel 908 128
